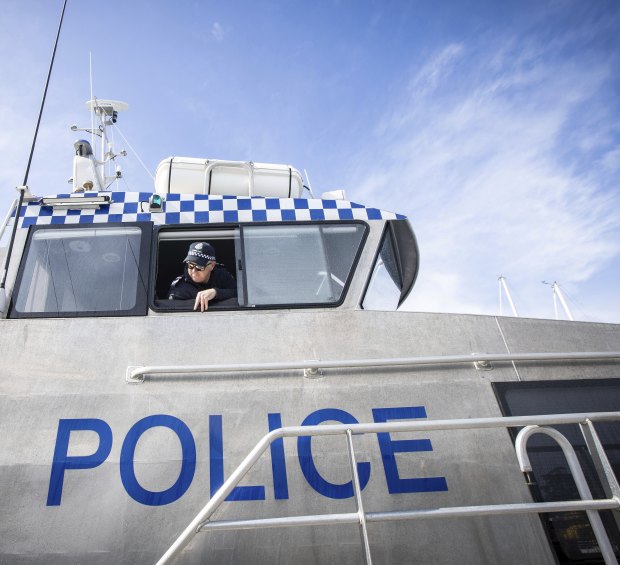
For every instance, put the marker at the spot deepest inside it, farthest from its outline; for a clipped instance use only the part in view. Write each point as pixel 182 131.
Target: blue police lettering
pixel 308 468
pixel 216 465
pixel 62 461
pixel 188 462
pixel 278 463
pixel 388 447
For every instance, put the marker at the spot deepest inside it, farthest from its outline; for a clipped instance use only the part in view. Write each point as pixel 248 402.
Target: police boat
pixel 303 420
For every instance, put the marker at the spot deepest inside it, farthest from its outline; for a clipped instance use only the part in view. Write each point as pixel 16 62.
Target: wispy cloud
pixel 494 153
pixel 217 31
pixel 436 70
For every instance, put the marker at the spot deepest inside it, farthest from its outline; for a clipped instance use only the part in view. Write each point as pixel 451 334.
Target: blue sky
pixel 494 126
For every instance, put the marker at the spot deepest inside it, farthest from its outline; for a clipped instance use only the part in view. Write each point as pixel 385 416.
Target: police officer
pixel 203 279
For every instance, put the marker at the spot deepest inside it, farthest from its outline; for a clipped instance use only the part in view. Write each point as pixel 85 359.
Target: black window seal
pixel 144 268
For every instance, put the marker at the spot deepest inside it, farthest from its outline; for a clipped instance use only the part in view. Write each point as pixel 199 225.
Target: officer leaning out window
pixel 203 279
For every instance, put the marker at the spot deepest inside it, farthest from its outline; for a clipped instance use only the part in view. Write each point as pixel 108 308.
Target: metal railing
pixel 6 220
pixel 313 367
pixel 531 425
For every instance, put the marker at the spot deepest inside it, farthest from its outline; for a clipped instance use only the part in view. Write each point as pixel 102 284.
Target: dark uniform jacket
pixel 184 288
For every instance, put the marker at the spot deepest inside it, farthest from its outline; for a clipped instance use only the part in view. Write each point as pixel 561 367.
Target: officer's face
pixel 200 276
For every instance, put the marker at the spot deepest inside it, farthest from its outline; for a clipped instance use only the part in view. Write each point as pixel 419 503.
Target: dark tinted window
pixel 569 532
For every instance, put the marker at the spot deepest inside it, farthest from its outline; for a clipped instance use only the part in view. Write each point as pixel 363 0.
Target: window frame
pixel 140 307
pixel 157 307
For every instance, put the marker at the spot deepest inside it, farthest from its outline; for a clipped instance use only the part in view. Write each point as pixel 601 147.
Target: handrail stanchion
pixel 358 500
pixel 597 451
pixel 601 463
pixel 577 473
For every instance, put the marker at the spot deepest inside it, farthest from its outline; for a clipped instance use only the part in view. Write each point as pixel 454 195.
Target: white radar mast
pixel 89 173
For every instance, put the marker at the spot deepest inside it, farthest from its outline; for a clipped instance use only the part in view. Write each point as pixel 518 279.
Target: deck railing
pixel 531 425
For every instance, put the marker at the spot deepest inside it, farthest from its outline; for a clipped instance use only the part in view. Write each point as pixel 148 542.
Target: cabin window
pixel 274 265
pixel 385 286
pixel 298 264
pixel 570 533
pixel 77 271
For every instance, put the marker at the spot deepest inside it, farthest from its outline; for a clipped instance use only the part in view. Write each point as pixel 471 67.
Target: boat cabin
pixel 116 253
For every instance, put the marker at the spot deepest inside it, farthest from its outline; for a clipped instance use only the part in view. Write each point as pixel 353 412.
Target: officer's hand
pixel 202 299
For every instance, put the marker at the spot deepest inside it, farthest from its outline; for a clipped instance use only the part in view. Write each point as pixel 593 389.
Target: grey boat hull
pixel 68 376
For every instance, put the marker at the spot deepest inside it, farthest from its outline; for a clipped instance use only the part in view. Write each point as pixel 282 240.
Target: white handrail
pixel 580 480
pixel 361 515
pixel 6 220
pixel 5 260
pixel 437 513
pixel 136 374
pixel 200 521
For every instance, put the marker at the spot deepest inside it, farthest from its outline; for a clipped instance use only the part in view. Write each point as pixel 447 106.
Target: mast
pixel 559 295
pixel 503 285
pixel 89 173
pixel 557 291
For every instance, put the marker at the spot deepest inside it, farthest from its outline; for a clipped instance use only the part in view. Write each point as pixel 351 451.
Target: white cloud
pixel 478 154
pixel 435 70
pixel 611 160
pixel 217 31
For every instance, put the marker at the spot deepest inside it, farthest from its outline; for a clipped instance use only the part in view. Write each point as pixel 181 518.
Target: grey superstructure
pixel 123 413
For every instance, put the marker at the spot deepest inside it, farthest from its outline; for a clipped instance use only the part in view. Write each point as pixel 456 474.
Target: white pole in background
pixel 557 290
pixel 501 310
pixel 92 114
pixel 503 284
pixel 557 293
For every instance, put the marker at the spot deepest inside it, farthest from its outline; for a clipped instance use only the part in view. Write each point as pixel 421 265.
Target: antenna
pixel 503 285
pixel 557 293
pixel 92 114
pixel 107 112
pixel 23 190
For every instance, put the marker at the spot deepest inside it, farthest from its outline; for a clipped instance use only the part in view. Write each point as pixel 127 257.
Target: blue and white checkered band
pixel 201 209
pixel 195 253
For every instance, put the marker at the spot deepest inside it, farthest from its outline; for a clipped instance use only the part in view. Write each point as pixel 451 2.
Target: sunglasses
pixel 193 266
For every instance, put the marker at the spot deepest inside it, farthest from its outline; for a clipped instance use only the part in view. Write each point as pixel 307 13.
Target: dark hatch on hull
pixel 569 532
